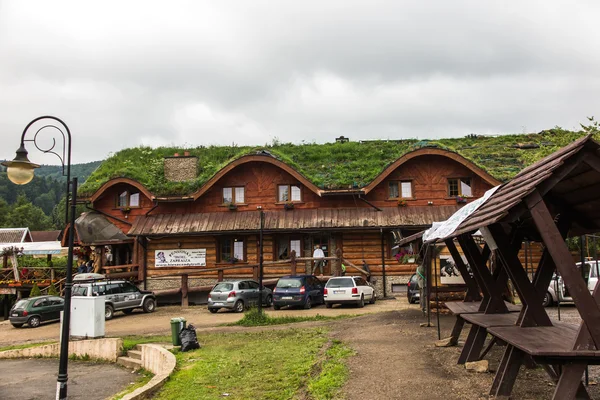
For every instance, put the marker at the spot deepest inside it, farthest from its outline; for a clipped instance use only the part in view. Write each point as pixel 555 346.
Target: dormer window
pixel 400 190
pixel 460 187
pixel 128 199
pixel 289 193
pixel 234 195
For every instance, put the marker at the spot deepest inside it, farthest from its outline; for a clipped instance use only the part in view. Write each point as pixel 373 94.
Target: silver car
pixel 237 296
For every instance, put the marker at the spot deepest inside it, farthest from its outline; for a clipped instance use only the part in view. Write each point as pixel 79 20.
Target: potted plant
pixel 231 206
pixel 402 203
pixel 232 260
pixel 288 206
pixel 460 199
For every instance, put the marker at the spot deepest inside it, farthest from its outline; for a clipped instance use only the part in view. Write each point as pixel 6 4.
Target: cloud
pixel 123 74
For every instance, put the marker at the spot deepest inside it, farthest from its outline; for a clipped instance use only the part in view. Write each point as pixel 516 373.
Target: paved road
pixel 36 379
pixel 158 322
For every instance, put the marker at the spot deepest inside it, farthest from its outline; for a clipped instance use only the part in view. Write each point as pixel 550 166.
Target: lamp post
pixel 20 171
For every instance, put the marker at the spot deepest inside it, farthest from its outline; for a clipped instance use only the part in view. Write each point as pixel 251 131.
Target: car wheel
pixel 149 305
pixel 239 306
pixel 328 305
pixel 17 325
pixel 276 307
pixel 373 298
pixel 308 303
pixel 547 300
pixel 213 310
pixel 269 301
pixel 361 302
pixel 128 311
pixel 411 300
pixel 34 322
pixel 109 312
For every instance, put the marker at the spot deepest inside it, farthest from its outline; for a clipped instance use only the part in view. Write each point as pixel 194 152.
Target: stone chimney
pixel 181 168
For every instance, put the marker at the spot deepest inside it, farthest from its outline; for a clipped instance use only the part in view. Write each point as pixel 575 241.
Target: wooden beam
pixel 478 265
pixel 472 288
pixel 585 303
pixel 184 291
pixel 518 276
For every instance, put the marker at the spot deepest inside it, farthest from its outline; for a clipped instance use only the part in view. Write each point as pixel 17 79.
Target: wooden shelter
pixel 547 202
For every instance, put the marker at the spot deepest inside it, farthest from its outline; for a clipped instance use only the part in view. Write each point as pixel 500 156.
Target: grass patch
pixel 251 365
pixel 145 378
pixel 129 342
pixel 333 374
pixel 24 346
pixel 253 318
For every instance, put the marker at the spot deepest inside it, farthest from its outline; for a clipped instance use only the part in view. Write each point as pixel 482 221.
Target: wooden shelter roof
pixel 568 177
pixel 15 235
pixel 290 220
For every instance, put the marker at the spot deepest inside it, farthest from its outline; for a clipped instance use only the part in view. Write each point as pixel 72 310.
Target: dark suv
pixel 298 290
pixel 120 295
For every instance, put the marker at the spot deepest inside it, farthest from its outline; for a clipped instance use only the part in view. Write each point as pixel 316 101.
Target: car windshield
pixel 223 287
pixel 595 266
pixel 21 304
pixel 340 282
pixel 289 283
pixel 79 291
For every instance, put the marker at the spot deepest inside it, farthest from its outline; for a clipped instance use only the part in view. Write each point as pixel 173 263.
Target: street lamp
pixel 20 171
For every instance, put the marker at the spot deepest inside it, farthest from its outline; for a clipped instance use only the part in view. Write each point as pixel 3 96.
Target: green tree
pixel 25 215
pixel 4 211
pixel 52 291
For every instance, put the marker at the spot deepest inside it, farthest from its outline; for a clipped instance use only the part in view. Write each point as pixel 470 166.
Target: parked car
pixel 120 295
pixel 349 290
pixel 237 296
pixel 298 290
pixel 413 292
pixel 35 310
pixel 558 291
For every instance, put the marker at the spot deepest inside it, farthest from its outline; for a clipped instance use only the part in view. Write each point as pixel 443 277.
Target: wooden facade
pixel 361 222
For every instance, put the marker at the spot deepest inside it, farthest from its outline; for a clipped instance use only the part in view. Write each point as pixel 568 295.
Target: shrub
pixel 52 291
pixel 35 291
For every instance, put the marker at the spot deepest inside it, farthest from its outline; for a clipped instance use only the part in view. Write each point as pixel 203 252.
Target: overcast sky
pixel 127 73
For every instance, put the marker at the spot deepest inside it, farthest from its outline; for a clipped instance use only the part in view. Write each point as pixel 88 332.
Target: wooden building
pixel 218 224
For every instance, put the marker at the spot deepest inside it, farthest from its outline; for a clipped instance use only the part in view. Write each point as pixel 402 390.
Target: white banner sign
pixel 180 258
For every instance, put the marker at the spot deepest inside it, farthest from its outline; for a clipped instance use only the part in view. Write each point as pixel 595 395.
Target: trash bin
pixel 177 324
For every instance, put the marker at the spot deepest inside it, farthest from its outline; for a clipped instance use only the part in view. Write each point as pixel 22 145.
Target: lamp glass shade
pixel 20 174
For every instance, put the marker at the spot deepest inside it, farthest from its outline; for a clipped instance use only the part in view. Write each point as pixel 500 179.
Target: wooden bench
pixel 470 307
pixel 548 342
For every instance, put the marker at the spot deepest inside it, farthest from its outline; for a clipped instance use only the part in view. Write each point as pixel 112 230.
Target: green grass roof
pixel 330 165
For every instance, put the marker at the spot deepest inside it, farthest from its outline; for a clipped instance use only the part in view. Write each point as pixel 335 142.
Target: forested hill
pixel 38 205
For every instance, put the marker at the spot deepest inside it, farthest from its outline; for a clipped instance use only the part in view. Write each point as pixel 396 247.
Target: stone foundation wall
pixel 389 281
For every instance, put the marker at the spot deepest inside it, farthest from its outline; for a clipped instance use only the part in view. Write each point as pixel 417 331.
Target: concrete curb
pixel 98 349
pixel 159 361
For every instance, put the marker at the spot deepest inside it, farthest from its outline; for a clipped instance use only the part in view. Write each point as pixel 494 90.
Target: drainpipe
pixel 383 264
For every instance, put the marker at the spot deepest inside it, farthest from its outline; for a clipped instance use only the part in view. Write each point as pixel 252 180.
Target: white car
pixel 348 290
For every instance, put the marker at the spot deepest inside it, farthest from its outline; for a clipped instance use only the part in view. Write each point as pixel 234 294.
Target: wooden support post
pixel 585 303
pixel 255 273
pixel 472 288
pixel 220 275
pixel 184 291
pixel 507 372
pixel 458 326
pixel 5 261
pixel 338 254
pixel 569 384
pixel 293 262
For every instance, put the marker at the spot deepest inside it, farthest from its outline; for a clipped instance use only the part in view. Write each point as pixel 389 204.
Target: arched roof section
pixel 255 158
pixel 118 181
pixel 431 151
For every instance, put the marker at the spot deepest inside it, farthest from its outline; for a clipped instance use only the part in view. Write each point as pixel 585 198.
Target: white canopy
pixel 36 248
pixel 440 230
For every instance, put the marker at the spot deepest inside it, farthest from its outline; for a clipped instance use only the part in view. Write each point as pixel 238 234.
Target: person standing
pixel 318 254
